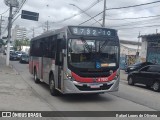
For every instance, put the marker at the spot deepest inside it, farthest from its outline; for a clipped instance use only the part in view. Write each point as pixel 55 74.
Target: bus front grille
pixel 87 88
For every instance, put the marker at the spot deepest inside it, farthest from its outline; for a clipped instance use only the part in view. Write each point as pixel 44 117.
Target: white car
pixel 19 53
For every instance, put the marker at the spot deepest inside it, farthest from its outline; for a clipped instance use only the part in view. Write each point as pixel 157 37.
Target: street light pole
pixel 137 53
pixel 104 14
pixel 9 35
pixel 138 41
pixel 1 27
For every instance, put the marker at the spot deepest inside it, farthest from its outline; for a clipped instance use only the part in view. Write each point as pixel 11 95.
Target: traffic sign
pixel 29 15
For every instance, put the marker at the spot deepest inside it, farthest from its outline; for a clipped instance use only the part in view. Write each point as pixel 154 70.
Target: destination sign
pixel 92 31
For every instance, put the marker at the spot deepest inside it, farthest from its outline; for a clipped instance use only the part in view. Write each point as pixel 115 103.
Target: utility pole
pixel 10 4
pixel 137 53
pixel 138 40
pixel 1 27
pixel 9 35
pixel 104 14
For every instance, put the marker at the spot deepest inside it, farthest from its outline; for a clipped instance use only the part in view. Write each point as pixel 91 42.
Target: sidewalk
pixel 123 75
pixel 3 68
pixel 15 93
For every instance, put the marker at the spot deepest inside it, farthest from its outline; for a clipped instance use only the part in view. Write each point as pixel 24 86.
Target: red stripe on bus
pixel 95 79
pixel 36 63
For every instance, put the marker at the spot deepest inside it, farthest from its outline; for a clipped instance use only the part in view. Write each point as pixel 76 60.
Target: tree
pixel 19 43
pixel 2 42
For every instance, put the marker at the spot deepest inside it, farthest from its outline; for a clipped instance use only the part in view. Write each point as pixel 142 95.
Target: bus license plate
pixel 95 86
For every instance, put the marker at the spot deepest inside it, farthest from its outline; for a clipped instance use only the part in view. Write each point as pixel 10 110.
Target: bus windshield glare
pixel 94 54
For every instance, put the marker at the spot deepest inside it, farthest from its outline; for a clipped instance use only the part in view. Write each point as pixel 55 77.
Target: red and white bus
pixel 76 59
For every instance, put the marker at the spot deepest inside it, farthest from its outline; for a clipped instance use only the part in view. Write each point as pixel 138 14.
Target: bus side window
pixel 51 47
pixel 45 49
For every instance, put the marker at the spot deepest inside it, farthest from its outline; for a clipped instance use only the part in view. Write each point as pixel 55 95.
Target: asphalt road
pixel 128 98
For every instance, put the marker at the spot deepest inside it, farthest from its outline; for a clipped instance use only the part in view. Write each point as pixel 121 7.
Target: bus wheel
pixel 36 80
pixel 53 91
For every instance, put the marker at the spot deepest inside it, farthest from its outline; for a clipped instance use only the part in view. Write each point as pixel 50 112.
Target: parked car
pixel 24 58
pixel 19 54
pixel 137 66
pixel 148 75
pixel 13 56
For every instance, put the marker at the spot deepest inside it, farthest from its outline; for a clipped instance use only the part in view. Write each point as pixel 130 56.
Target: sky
pixel 60 13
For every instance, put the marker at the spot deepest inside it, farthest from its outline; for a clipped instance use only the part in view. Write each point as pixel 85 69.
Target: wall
pixel 153 52
pixel 127 56
pixel 143 53
pixel 130 59
pixel 25 49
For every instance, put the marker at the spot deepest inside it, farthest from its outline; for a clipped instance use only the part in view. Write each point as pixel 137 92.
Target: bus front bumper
pixel 71 87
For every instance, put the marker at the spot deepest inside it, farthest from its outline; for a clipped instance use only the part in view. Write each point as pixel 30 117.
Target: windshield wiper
pixel 86 44
pixel 103 45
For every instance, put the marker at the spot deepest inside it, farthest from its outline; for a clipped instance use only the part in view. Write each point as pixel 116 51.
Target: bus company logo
pixel 6 114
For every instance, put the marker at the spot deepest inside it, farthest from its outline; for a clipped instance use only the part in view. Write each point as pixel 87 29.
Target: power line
pixel 17 11
pixel 140 27
pixel 135 23
pixel 4 12
pixel 91 18
pixel 131 6
pixel 134 18
pixel 86 13
pixel 91 6
pixel 123 13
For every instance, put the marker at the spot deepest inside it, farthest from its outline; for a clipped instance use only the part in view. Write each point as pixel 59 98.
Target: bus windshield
pixel 94 54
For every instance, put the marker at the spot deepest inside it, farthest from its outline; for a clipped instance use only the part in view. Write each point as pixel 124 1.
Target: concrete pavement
pixel 15 93
pixel 123 75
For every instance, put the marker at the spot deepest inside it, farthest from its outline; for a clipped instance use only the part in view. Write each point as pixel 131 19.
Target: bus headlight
pixel 68 74
pixel 117 75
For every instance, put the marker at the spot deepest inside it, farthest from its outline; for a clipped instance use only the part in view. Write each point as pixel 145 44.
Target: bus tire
pixel 52 89
pixel 36 80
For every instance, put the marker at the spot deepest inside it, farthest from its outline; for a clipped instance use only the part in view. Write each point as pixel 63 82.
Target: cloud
pixel 60 10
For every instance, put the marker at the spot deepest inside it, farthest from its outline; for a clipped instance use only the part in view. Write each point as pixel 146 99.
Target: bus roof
pixel 50 33
pixel 71 29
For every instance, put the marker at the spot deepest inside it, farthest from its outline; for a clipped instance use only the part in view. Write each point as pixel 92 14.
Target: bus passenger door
pixel 59 63
pixel 44 62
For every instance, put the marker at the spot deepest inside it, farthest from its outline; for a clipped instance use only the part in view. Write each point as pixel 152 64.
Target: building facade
pixel 19 33
pixel 150 48
pixel 128 53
